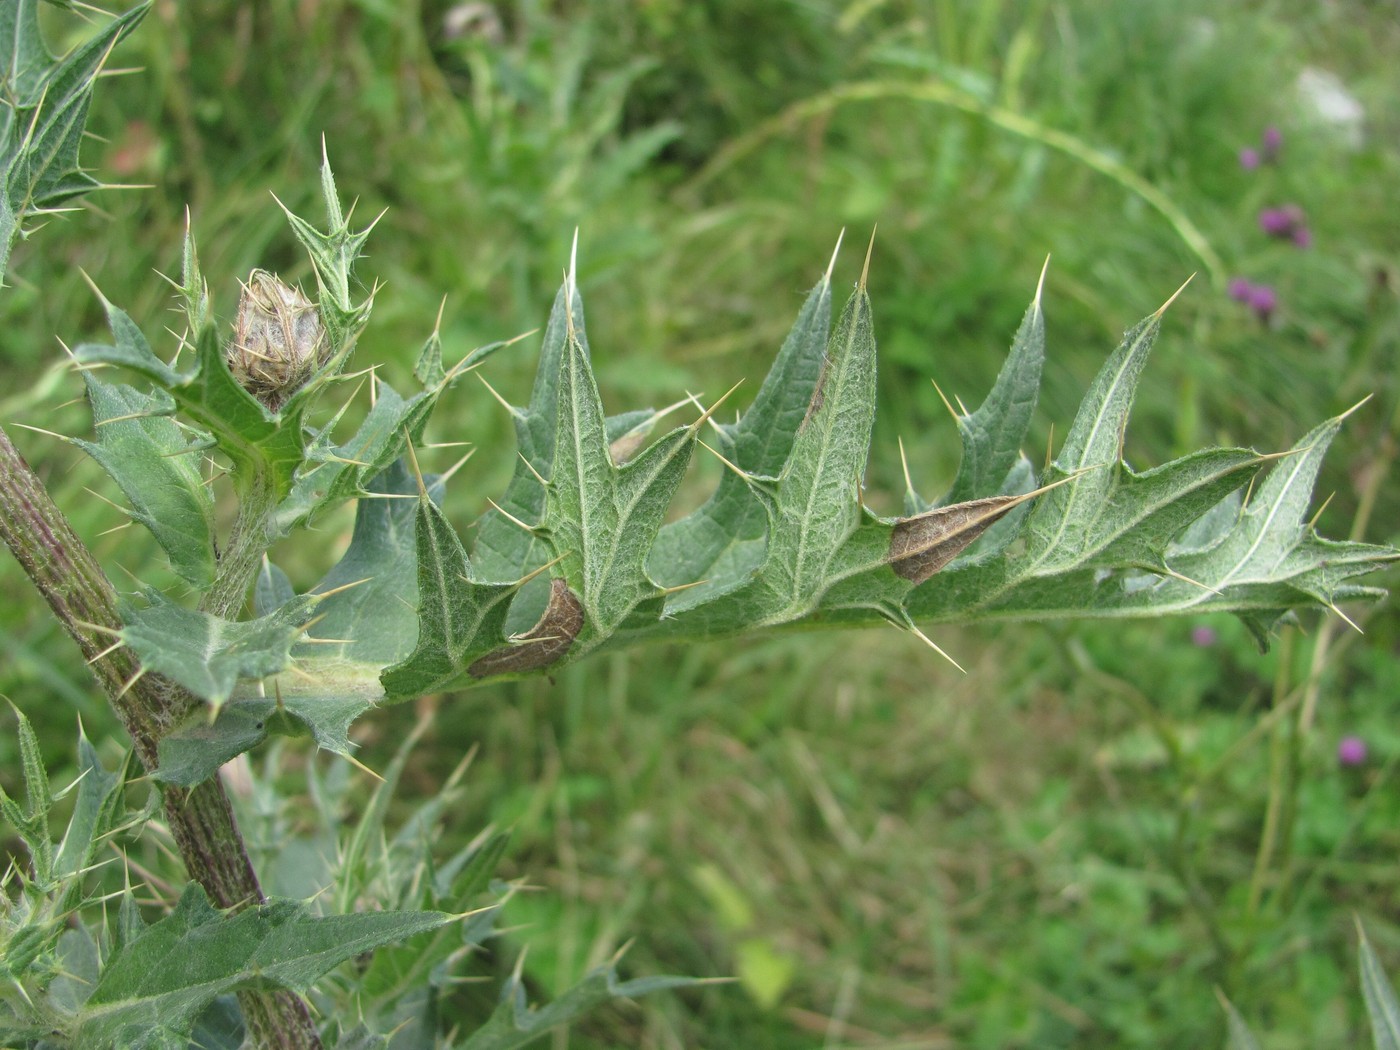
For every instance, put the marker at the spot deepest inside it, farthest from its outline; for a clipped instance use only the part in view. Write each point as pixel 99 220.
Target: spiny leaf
pixel 503 552
pixel 193 752
pixel 992 436
pixel 155 985
pixel 255 440
pixel 32 821
pixel 723 543
pixel 207 654
pixel 333 254
pixel 156 466
pixel 459 617
pixel 601 519
pixel 43 112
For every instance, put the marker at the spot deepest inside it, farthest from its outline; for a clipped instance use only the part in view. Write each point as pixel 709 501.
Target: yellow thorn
pixel 41 430
pixel 1163 308
pixel 106 652
pixel 1313 523
pixel 129 683
pixel 413 462
pixel 510 517
pixel 1345 618
pixel 319 595
pixel 946 403
pixel 965 412
pixel 826 278
pixel 1354 407
pixel 446 475
pixel 1050 446
pixel 364 769
pixel 930 643
pixel 1040 284
pixel 531 467
pixel 1194 583
pixel 904 463
pixel 715 407
pixel 105 500
pixel 541 570
pixel 504 403
pixel 726 462
pixel 683 586
pixel 865 270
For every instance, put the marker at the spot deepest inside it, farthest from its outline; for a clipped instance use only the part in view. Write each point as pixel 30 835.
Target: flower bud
pixel 278 339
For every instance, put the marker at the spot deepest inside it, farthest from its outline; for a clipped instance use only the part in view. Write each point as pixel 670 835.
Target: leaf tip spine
pixel 1157 314
pixel 869 251
pixel 831 266
pixel 1040 284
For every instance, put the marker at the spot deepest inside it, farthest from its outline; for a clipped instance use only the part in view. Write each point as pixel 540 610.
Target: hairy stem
pixel 201 819
pixel 238 564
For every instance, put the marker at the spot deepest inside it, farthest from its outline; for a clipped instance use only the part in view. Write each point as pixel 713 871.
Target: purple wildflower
pixel 1203 636
pixel 1249 159
pixel 1273 141
pixel 1302 237
pixel 1263 300
pixel 1351 751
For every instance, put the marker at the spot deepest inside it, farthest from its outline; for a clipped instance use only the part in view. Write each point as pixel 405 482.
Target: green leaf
pixel 460 619
pixel 333 253
pixel 601 519
pixel 32 821
pixel 335 473
pixel 95 809
pixel 259 443
pixel 157 468
pixel 372 591
pixel 514 1023
pixel 43 114
pixel 1381 1004
pixel 206 654
pixel 723 543
pixel 155 986
pixel 503 552
pixel 193 752
pixel 992 436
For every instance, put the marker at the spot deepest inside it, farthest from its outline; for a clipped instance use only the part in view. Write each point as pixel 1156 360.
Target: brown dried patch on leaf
pixel 543 644
pixel 627 446
pixel 922 545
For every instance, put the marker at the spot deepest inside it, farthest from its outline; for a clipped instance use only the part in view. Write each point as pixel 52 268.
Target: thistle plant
pixel 575 557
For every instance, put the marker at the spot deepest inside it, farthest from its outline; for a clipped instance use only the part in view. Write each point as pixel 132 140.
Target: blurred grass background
pixel 1066 847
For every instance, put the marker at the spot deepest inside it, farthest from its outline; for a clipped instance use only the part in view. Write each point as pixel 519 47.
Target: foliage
pixel 380 630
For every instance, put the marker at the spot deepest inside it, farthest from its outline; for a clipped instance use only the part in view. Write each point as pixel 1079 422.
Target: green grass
pixel 1061 848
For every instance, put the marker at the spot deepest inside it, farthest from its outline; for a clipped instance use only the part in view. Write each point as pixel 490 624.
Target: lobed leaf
pixel 156 466
pixel 155 985
pixel 207 654
pixel 43 113
pixel 723 543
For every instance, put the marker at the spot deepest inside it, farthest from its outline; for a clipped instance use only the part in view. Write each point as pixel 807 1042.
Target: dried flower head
pixel 278 339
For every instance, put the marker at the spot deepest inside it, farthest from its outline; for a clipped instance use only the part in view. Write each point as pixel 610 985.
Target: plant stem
pixel 201 819
pixel 238 564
